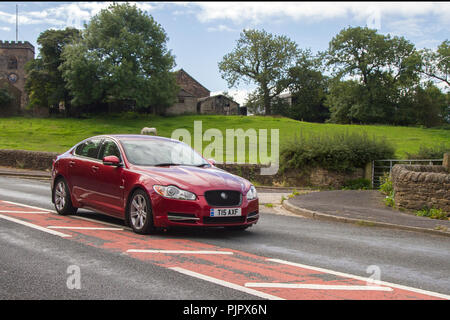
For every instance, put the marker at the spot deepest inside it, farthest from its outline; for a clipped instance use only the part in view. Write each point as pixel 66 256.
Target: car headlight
pixel 173 192
pixel 252 194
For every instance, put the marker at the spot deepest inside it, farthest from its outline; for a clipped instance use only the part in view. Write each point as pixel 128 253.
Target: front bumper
pixel 170 212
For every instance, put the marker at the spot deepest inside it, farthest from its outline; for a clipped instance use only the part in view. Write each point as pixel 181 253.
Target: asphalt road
pixel 34 264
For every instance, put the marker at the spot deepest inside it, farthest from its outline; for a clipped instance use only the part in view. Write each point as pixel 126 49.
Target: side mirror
pixel 111 161
pixel 211 162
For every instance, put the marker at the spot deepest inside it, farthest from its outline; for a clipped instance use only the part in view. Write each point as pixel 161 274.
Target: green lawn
pixel 58 135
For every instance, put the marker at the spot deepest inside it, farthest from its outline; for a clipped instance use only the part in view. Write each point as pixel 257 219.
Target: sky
pixel 201 33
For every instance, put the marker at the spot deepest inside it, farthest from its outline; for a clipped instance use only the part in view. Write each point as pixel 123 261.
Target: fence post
pixel 373 172
pixel 446 161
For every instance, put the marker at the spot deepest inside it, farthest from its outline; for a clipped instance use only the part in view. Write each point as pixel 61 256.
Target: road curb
pixel 25 175
pixel 361 222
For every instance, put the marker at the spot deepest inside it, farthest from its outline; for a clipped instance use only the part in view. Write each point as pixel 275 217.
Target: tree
pixel 261 58
pixel 121 57
pixel 45 83
pixel 384 67
pixel 5 97
pixel 308 87
pixel 436 64
pixel 431 106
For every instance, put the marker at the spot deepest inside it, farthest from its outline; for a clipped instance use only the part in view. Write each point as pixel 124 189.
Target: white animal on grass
pixel 146 130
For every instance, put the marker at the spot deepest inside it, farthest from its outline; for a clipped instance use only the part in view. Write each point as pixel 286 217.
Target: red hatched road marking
pixel 292 281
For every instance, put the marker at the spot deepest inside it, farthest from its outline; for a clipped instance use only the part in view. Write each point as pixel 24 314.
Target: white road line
pixel 27 206
pixel 377 282
pixel 101 222
pixel 226 284
pixel 76 217
pixel 315 286
pixel 84 228
pixel 11 211
pixel 34 226
pixel 179 251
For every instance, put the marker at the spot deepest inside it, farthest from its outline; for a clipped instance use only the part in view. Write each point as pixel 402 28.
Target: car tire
pixel 62 199
pixel 139 215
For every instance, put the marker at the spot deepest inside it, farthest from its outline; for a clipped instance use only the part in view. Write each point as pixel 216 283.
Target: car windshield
pixel 159 152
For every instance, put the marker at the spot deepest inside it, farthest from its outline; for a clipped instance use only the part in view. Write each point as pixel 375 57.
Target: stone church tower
pixel 13 57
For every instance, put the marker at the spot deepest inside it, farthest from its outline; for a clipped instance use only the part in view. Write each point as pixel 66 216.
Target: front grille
pixel 223 198
pixel 223 220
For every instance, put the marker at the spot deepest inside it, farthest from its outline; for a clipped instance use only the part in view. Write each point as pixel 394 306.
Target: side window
pixel 89 148
pixel 109 148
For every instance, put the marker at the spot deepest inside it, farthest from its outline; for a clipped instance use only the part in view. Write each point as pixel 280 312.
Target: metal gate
pixel 382 167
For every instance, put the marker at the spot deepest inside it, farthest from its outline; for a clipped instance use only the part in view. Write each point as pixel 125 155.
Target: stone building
pixel 13 57
pixel 189 84
pixel 218 104
pixel 193 97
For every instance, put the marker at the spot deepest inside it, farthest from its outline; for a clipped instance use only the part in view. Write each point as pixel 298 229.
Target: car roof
pixel 133 137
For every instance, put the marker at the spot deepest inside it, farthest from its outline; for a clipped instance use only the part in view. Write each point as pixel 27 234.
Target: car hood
pixel 196 179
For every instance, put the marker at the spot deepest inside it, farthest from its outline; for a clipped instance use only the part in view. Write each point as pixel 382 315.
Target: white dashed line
pixel 377 282
pixel 179 251
pixel 84 228
pixel 316 286
pixel 226 284
pixel 34 226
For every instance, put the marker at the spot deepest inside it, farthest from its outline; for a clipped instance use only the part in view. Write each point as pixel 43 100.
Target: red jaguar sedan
pixel 150 182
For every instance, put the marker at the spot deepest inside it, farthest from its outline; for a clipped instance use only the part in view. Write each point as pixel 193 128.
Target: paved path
pixel 363 205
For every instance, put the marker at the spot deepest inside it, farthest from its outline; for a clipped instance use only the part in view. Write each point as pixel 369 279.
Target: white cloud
pixel 5 28
pixel 73 14
pixel 257 12
pixel 221 27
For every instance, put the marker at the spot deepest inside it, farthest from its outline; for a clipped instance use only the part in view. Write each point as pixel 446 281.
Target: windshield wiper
pixel 204 164
pixel 167 164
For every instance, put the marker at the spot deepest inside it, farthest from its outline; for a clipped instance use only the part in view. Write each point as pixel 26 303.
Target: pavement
pixel 361 207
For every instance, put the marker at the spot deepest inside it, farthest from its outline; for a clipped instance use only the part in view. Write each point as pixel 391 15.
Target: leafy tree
pixel 122 57
pixel 431 106
pixel 261 58
pixel 345 101
pixel 45 83
pixel 385 67
pixel 308 87
pixel 436 64
pixel 5 97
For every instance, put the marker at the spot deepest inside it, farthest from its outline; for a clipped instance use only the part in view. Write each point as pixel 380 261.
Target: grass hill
pixel 58 134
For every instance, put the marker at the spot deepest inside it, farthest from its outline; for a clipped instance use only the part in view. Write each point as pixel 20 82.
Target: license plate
pixel 225 212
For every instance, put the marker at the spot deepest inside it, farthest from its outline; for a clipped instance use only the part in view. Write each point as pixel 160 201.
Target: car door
pixel 108 187
pixel 82 168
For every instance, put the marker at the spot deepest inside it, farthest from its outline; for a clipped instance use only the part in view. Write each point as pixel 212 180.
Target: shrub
pixel 430 152
pixel 337 151
pixel 386 184
pixel 387 189
pixel 432 213
pixel 389 201
pixel 357 184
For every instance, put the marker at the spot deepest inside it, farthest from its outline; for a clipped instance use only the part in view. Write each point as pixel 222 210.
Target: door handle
pixel 94 168
pixel 71 163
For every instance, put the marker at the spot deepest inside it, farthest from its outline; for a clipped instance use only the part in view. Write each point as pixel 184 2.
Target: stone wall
pixel 35 160
pixel 418 186
pixel 186 105
pixel 308 177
